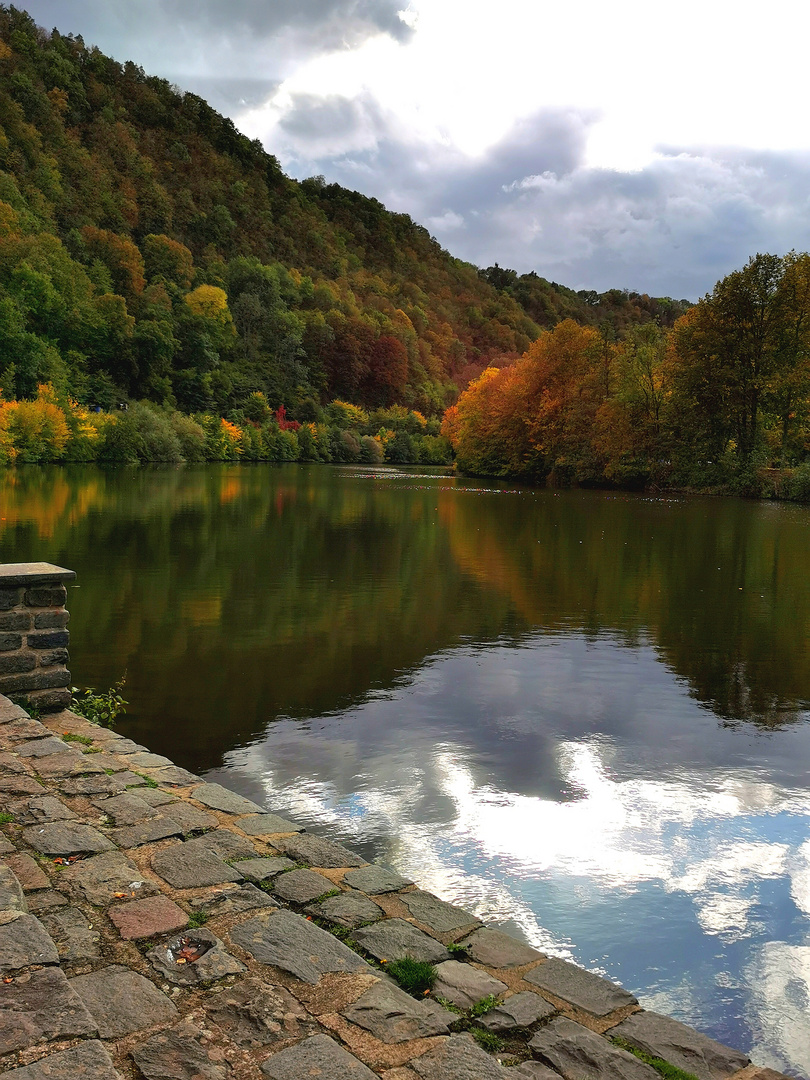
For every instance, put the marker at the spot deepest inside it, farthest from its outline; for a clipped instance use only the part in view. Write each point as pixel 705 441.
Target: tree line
pixel 721 400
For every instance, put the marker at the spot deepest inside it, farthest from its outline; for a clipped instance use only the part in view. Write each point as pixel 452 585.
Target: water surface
pixel 583 715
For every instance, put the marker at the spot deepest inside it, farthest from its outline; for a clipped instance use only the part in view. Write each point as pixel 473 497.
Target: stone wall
pixel 34 636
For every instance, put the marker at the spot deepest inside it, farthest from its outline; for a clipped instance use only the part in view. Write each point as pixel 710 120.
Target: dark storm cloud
pixel 531 203
pixel 210 46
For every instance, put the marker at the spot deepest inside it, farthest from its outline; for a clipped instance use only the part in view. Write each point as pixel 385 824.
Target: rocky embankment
pixel 154 925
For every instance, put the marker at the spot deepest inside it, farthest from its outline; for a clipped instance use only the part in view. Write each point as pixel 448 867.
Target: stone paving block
pixel 318 852
pixel 108 762
pixel 142 759
pixel 132 779
pixel 436 914
pixel 148 917
pixel 184 869
pixel 318 1056
pixel 87 1061
pixel 519 1011
pixel 20 785
pixel 125 809
pixel 459 1058
pixel 179 1054
pixel 221 798
pixel 233 899
pixel 254 1013
pixel 263 869
pixel 174 960
pixel 680 1045
pixel 224 843
pixel 28 871
pixel 392 1016
pixel 465 985
pixel 189 818
pixel 581 988
pixel 41 1006
pixel 105 878
pixel 499 950
pixel 93 785
pixel 11 891
pixel 42 808
pixel 580 1054
pixel 42 747
pixel 156 797
pixel 65 838
pixel 301 886
pixel 160 827
pixel 392 939
pixel 44 901
pixel 10 764
pixel 73 935
pixel 114 743
pixel 72 763
pixel 349 909
pixel 23 729
pixel 533 1070
pixel 6 846
pixel 24 941
pixel 266 824
pixel 173 775
pixel 374 879
pixel 290 942
pixel 122 1002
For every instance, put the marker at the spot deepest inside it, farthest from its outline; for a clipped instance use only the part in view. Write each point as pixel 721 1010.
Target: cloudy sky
pixel 625 145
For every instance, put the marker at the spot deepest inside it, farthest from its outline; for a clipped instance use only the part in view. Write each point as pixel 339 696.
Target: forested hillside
pixel 150 249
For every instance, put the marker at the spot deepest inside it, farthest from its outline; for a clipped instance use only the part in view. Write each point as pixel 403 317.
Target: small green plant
pixel 325 896
pixel 417 977
pixel 29 706
pixel 450 1006
pixel 69 736
pixel 197 919
pixel 457 950
pixel 484 1005
pixel 663 1068
pixel 488 1040
pixel 147 782
pixel 5 818
pixel 102 707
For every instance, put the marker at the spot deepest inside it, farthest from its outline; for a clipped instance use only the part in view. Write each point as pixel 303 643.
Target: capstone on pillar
pixel 34 635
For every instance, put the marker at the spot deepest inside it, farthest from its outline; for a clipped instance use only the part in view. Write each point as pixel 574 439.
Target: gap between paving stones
pixel 192 933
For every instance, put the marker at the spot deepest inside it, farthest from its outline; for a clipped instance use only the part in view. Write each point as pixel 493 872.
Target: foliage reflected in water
pixel 300 589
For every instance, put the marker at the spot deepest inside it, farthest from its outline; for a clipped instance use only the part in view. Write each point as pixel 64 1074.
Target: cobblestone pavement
pixel 154 925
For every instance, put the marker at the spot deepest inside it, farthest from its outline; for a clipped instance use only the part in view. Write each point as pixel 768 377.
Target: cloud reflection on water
pixel 542 786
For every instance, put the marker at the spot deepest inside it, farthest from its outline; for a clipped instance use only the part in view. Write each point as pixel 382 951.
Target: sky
pixel 623 145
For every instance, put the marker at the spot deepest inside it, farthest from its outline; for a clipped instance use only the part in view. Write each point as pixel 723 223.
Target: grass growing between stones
pixel 484 1005
pixel 416 977
pixel 487 1040
pixel 149 782
pixel 69 736
pixel 663 1068
pixel 197 919
pixel 6 818
pixel 457 951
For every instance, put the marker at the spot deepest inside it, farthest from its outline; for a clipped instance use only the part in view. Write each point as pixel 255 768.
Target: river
pixel 580 714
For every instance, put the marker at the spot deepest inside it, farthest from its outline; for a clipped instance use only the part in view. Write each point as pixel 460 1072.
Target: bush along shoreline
pixel 51 428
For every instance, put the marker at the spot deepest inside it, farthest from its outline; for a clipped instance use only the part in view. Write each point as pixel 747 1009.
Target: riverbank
pixel 160 926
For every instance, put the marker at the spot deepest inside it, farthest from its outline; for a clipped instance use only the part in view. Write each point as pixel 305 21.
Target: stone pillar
pixel 34 635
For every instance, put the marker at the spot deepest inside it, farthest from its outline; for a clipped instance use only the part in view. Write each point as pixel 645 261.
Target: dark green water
pixel 581 714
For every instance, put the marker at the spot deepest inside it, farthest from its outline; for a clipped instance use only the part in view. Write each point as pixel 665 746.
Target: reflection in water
pixel 581 715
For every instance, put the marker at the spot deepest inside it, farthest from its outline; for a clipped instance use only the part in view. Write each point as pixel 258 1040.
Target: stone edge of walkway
pixel 493 956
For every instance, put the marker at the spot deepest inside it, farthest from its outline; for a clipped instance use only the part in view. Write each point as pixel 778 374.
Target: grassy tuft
pixel 6 818
pixel 663 1068
pixel 69 736
pixel 197 919
pixel 417 977
pixel 488 1040
pixel 484 1005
